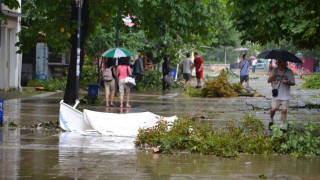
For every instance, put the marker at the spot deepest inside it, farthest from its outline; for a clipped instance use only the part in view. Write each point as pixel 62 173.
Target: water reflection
pixel 93 141
pixel 28 154
pixel 9 156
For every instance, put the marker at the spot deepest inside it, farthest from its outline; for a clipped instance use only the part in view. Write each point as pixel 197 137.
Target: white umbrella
pixel 240 49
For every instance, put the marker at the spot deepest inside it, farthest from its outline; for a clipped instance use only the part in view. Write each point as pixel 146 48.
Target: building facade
pixel 10 61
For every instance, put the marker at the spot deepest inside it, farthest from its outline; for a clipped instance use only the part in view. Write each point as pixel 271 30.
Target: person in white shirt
pixel 187 65
pixel 254 63
pixel 282 79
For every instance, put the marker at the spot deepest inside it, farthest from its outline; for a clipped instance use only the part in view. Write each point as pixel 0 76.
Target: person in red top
pixel 198 63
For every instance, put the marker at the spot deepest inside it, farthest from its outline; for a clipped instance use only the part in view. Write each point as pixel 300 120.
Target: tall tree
pixel 158 18
pixel 225 34
pixel 271 21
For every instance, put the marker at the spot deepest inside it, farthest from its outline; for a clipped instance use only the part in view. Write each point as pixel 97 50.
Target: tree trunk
pixel 70 91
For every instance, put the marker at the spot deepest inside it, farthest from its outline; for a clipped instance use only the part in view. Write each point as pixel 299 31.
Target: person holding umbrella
pixel 244 70
pixel 123 70
pixel 281 79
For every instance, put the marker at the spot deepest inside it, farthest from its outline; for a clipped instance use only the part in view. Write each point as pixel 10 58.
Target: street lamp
pixel 79 5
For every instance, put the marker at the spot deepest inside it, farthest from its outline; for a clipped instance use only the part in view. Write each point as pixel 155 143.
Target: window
pixel 62 58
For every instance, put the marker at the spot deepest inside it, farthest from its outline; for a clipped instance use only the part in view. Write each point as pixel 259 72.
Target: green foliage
pixel 316 96
pixel 44 22
pixel 237 87
pixel 11 4
pixel 49 125
pixel 263 176
pixel 298 140
pixel 313 82
pixel 152 81
pixel 88 76
pixel 177 85
pixel 185 134
pixel 49 85
pixel 234 138
pixel 89 73
pixel 261 22
pixel 91 99
pixel 193 92
pixel 12 125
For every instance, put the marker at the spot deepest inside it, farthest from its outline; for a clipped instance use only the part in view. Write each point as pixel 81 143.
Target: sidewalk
pixel 9 94
pixel 26 92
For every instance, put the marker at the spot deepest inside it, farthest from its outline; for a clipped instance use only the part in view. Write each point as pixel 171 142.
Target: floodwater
pixel 39 154
pixel 27 154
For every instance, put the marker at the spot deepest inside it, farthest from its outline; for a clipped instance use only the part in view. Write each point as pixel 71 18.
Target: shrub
pixel 89 74
pixel 152 81
pixel 49 85
pixel 313 82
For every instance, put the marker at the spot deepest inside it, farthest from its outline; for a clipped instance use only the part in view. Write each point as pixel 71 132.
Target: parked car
pixel 261 66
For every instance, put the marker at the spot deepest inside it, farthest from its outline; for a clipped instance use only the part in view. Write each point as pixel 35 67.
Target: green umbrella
pixel 116 53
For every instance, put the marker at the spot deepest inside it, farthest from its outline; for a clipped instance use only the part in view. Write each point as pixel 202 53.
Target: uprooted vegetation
pixel 219 87
pixel 248 136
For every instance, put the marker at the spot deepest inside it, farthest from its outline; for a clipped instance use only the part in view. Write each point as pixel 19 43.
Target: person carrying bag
pixel 129 81
pixel 124 72
pixel 109 81
pixel 275 92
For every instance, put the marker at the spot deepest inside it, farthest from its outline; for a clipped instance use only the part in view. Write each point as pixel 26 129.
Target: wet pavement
pixel 38 154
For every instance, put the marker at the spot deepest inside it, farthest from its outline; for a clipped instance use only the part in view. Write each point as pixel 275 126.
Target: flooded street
pixel 27 154
pixel 40 154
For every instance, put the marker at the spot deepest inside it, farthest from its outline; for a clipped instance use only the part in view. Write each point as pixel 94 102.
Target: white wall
pixel 10 62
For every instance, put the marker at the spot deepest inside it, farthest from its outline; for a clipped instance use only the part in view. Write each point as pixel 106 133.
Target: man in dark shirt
pixel 138 69
pixel 165 71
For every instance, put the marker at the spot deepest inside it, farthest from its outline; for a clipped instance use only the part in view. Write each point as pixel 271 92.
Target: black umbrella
pixel 279 54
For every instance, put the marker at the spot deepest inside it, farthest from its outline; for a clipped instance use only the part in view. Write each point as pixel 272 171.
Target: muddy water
pixel 32 154
pixel 27 154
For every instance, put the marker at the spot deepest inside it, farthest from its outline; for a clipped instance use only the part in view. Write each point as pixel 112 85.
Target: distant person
pixel 254 63
pixel 282 79
pixel 123 72
pixel 187 66
pixel 244 70
pixel 109 74
pixel 198 64
pixel 147 63
pixel 299 67
pixel 165 71
pixel 138 69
